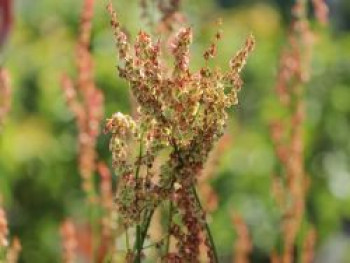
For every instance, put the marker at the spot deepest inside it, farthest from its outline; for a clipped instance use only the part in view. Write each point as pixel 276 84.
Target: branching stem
pixel 207 228
pixel 139 244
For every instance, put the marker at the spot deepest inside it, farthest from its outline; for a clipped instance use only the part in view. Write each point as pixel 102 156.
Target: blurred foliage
pixel 38 171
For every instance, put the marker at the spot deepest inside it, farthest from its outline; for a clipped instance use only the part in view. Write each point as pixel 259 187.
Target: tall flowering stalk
pixel 181 114
pixel 8 252
pixel 5 95
pixel 291 186
pixel 85 100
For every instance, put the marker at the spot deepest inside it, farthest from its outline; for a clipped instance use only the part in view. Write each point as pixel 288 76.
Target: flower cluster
pixel 5 95
pixel 181 115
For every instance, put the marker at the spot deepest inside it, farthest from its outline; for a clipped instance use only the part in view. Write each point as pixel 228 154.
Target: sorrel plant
pixel 181 114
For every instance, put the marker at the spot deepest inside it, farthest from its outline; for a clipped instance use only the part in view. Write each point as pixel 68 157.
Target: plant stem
pixel 139 245
pixel 194 192
pixel 146 226
pixel 156 243
pixel 207 228
pixel 140 240
pixel 92 209
pixel 127 238
pixel 171 210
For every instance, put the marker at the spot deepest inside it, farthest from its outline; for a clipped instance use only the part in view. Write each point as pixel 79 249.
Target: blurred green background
pixel 38 157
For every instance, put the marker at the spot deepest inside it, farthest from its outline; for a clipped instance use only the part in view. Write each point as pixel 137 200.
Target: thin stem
pixel 171 211
pixel 207 228
pixel 139 158
pixel 147 221
pixel 92 208
pixel 127 238
pixel 139 245
pixel 194 191
pixel 146 226
pixel 156 243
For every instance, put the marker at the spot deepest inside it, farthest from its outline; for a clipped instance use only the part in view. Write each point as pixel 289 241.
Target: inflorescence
pixel 182 114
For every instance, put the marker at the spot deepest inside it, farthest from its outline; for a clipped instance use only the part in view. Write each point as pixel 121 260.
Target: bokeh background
pixel 39 179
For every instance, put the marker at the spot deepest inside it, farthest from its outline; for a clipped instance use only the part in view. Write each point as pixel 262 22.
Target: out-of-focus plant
pixel 205 189
pixel 5 19
pixel 308 248
pixel 69 242
pixel 243 246
pixel 290 186
pixel 8 252
pixel 85 100
pixel 162 16
pixel 5 95
pixel 181 115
